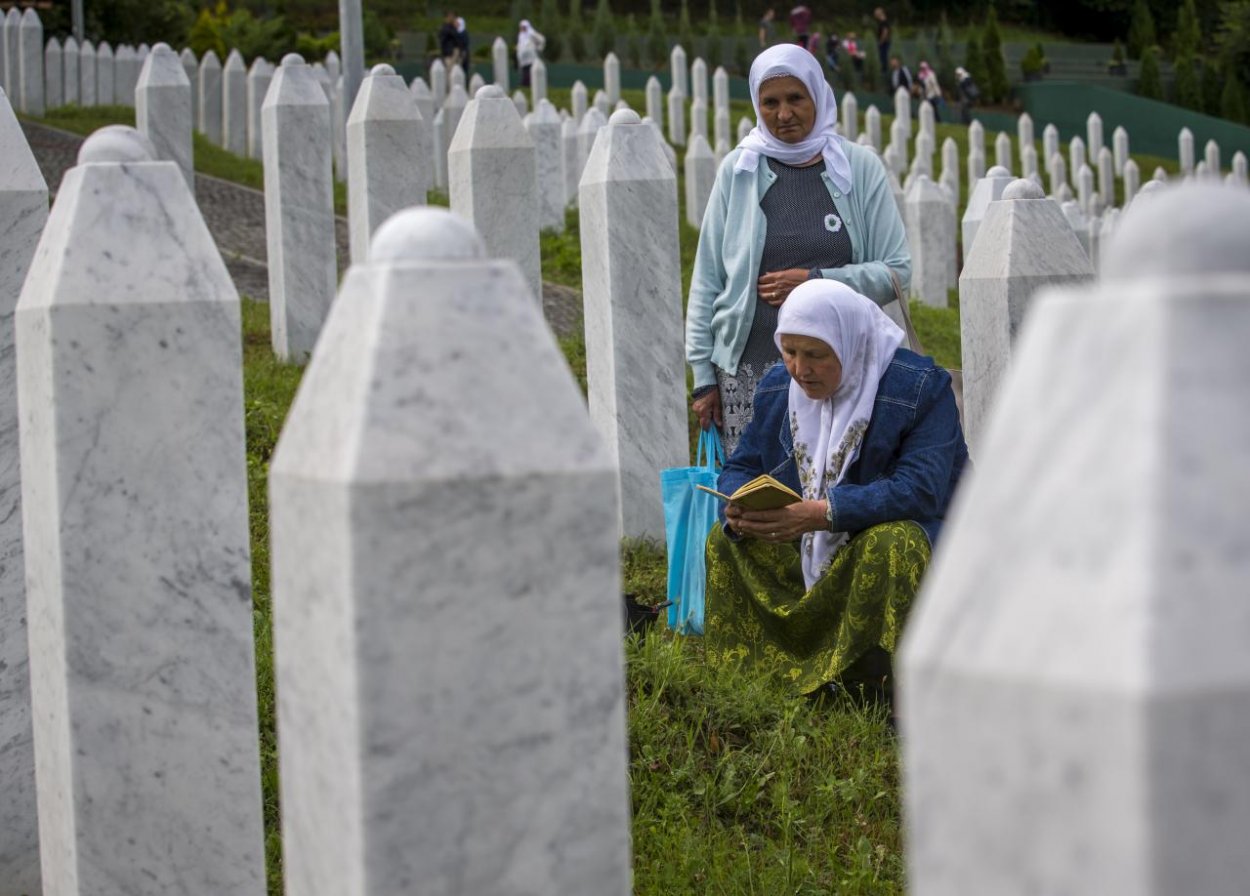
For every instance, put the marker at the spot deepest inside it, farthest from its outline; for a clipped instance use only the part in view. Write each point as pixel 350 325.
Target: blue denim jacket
pixel 909 462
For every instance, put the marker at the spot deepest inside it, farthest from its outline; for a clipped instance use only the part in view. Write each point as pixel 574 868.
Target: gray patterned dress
pixel 804 231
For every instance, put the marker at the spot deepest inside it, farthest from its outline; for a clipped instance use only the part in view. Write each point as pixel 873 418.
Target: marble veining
pixel 134 500
pixel 438 734
pixel 163 109
pixel 631 287
pixel 23 211
pixel 493 181
pixel 385 171
pixel 983 191
pixel 299 208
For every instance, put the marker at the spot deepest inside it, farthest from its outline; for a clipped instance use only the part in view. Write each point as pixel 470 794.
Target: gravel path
pixel 235 216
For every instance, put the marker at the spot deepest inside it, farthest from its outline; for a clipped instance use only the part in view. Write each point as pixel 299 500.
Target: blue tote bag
pixel 689 515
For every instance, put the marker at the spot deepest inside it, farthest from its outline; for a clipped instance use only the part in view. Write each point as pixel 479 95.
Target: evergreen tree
pixel 1188 37
pixel 974 60
pixel 1233 101
pixel 1211 87
pixel 715 51
pixel 946 56
pixel 576 30
pixel 1149 84
pixel 551 26
pixel 633 43
pixel 522 9
pixel 742 54
pixel 873 76
pixel 685 33
pixel 1186 90
pixel 657 37
pixel 996 86
pixel 602 31
pixel 1141 30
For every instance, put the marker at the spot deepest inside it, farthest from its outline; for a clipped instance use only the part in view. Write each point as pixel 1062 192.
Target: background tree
pixel 551 25
pixel 714 49
pixel 633 43
pixel 576 30
pixel 974 60
pixel 1149 84
pixel 128 21
pixel 1185 89
pixel 685 33
pixel 873 76
pixel 946 56
pixel 603 32
pixel 522 9
pixel 1187 40
pixel 1233 101
pixel 996 86
pixel 657 37
pixel 1212 86
pixel 1141 32
pixel 1233 41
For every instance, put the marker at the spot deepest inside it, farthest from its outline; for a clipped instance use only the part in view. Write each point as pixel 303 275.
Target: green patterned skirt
pixel 759 614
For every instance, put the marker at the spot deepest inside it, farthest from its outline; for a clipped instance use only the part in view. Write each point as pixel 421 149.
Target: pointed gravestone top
pixel 1146 239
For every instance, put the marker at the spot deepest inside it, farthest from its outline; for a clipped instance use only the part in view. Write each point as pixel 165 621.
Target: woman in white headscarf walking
pixel 529 43
pixel 868 433
pixel 793 202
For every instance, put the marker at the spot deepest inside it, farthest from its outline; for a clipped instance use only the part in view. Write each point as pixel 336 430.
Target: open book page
pixel 761 493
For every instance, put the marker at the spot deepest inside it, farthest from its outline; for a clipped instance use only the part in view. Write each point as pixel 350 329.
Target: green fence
pixel 1152 126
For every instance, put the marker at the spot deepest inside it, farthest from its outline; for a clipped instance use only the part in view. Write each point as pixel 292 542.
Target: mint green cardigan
pixel 731 243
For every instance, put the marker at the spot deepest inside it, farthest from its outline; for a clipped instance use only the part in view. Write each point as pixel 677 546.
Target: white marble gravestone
pixel 902 111
pixel 544 128
pixel 134 505
pixel 1085 192
pixel 4 54
pixel 612 78
pixel 234 104
pixel 538 82
pixel 898 143
pixel 1185 151
pixel 500 62
pixel 123 60
pixel 983 191
pixel 1106 517
pixel 850 117
pixel 191 66
pixel 1076 156
pixel 586 133
pixel 655 99
pixel 385 170
pixel 700 170
pixel 676 116
pixel 679 73
pixel 1028 162
pixel 30 63
pixel 1002 151
pixel 1024 134
pixel 1119 147
pixel 424 99
pixel 413 758
pixel 1238 168
pixel 106 74
pixel 333 64
pixel 258 78
pixel 210 97
pixel 87 79
pixel 69 59
pixel 872 127
pixel 299 208
pixel 698 81
pixel 12 50
pixel 720 89
pixel 930 224
pixel 1050 141
pixel 1025 243
pixel 601 103
pixel 23 211
pixel 457 76
pixel 522 103
pixel 579 100
pixel 476 83
pixel 453 110
pixel 53 75
pixel 1094 137
pixel 437 128
pixel 128 76
pixel 1211 155
pixel 976 137
pixel 1106 177
pixel 1058 174
pixel 745 126
pixel 1132 180
pixel 631 285
pixel 950 166
pixel 163 109
pixel 1079 222
pixel 493 181
pixel 438 82
pixel 698 119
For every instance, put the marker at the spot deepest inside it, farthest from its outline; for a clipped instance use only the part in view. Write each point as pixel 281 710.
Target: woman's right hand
pixel 707 407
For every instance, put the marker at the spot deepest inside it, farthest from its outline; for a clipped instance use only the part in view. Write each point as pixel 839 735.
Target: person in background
pixel 793 202
pixel 900 76
pixel 930 89
pixel 462 42
pixel 885 34
pixel 767 28
pixel 449 40
pixel 833 47
pixel 851 45
pixel 529 43
pixel 868 433
pixel 801 21
pixel 969 93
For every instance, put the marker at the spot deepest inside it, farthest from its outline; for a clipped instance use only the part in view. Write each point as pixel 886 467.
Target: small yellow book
pixel 761 493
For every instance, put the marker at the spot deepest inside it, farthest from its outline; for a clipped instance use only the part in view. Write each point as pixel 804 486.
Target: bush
pixel 1186 91
pixel 603 34
pixel 1033 63
pixel 1149 84
pixel 873 76
pixel 1188 38
pixel 130 21
pixel 742 55
pixel 974 60
pixel 996 86
pixel 220 30
pixel 1141 31
pixel 1233 101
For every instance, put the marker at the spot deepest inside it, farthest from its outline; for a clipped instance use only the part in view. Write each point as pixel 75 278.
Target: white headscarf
pixel 828 433
pixel 793 60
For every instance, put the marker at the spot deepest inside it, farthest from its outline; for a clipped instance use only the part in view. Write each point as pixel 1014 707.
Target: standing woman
pixel 793 202
pixel 529 43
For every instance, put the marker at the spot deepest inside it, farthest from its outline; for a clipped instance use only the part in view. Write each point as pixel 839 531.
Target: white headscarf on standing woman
pixel 828 433
pixel 796 62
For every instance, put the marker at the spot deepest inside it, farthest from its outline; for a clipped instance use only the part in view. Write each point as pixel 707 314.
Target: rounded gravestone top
pixel 382 69
pixel 1170 235
pixel 1023 188
pixel 624 116
pixel 293 59
pixel 162 48
pixel 1151 186
pixel 424 233
pixel 116 143
pixel 491 92
pixel 998 171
